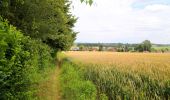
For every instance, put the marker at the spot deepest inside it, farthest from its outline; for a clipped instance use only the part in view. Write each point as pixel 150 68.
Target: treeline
pixel 31 32
pixel 104 44
pixel 145 46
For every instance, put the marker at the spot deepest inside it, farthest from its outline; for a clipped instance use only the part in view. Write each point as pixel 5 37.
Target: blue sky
pixel 127 21
pixel 143 3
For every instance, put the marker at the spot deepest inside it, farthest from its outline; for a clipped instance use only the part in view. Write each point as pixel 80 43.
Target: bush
pixel 22 60
pixel 74 87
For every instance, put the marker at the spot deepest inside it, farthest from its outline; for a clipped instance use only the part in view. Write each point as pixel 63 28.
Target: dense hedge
pixel 22 62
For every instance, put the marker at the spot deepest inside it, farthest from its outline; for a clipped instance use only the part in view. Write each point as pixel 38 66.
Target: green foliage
pixel 124 48
pixel 47 26
pixel 13 61
pixel 47 20
pixel 22 60
pixel 74 87
pixel 147 45
pixel 101 48
pixel 139 48
pixel 160 48
pixel 103 97
pixel 90 2
pixel 144 46
pixel 81 47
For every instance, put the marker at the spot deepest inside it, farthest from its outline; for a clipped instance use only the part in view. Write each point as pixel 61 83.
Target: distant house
pixel 74 48
pixel 146 52
pixel 95 49
pixel 111 49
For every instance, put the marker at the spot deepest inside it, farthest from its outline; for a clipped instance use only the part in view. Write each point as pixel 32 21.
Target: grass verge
pixel 49 88
pixel 73 84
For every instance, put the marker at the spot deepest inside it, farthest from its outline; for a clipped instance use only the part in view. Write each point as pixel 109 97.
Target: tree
pixel 81 47
pixel 47 20
pixel 126 47
pixel 100 47
pixel 144 46
pixel 147 45
pixel 139 48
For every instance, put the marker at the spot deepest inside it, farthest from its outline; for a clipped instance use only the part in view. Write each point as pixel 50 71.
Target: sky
pixel 125 21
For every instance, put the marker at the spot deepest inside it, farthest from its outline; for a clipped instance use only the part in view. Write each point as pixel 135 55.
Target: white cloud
pixel 118 21
pixel 157 7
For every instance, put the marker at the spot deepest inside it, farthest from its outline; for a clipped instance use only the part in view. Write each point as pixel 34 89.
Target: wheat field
pixel 113 57
pixel 131 76
pixel 142 62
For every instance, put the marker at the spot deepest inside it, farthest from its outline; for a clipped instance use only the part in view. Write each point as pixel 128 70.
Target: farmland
pixel 121 76
pixel 84 50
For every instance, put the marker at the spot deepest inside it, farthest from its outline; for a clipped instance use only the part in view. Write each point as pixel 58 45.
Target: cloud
pixel 119 21
pixel 157 7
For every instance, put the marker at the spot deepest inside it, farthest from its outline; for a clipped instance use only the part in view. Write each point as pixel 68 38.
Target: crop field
pixel 127 76
pixel 161 47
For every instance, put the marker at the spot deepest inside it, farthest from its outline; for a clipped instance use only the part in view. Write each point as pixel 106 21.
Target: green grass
pixel 161 47
pixel 73 85
pixel 49 88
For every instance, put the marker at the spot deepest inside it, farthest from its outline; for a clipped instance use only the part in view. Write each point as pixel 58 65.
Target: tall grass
pixel 73 85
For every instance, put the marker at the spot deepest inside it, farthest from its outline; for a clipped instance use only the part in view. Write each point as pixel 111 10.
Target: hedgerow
pixel 22 63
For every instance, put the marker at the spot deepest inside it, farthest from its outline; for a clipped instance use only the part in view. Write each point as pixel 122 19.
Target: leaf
pixel 82 1
pixel 90 2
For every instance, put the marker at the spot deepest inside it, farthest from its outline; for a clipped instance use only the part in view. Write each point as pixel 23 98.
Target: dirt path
pixel 50 89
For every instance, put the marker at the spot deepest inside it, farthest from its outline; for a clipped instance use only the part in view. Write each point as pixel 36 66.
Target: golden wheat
pixel 145 62
pixel 132 76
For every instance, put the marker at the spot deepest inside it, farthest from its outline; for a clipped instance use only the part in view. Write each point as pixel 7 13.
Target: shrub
pixel 13 60
pixel 22 60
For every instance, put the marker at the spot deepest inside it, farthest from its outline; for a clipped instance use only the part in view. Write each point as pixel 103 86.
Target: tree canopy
pixel 47 20
pixel 31 31
pixel 144 46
